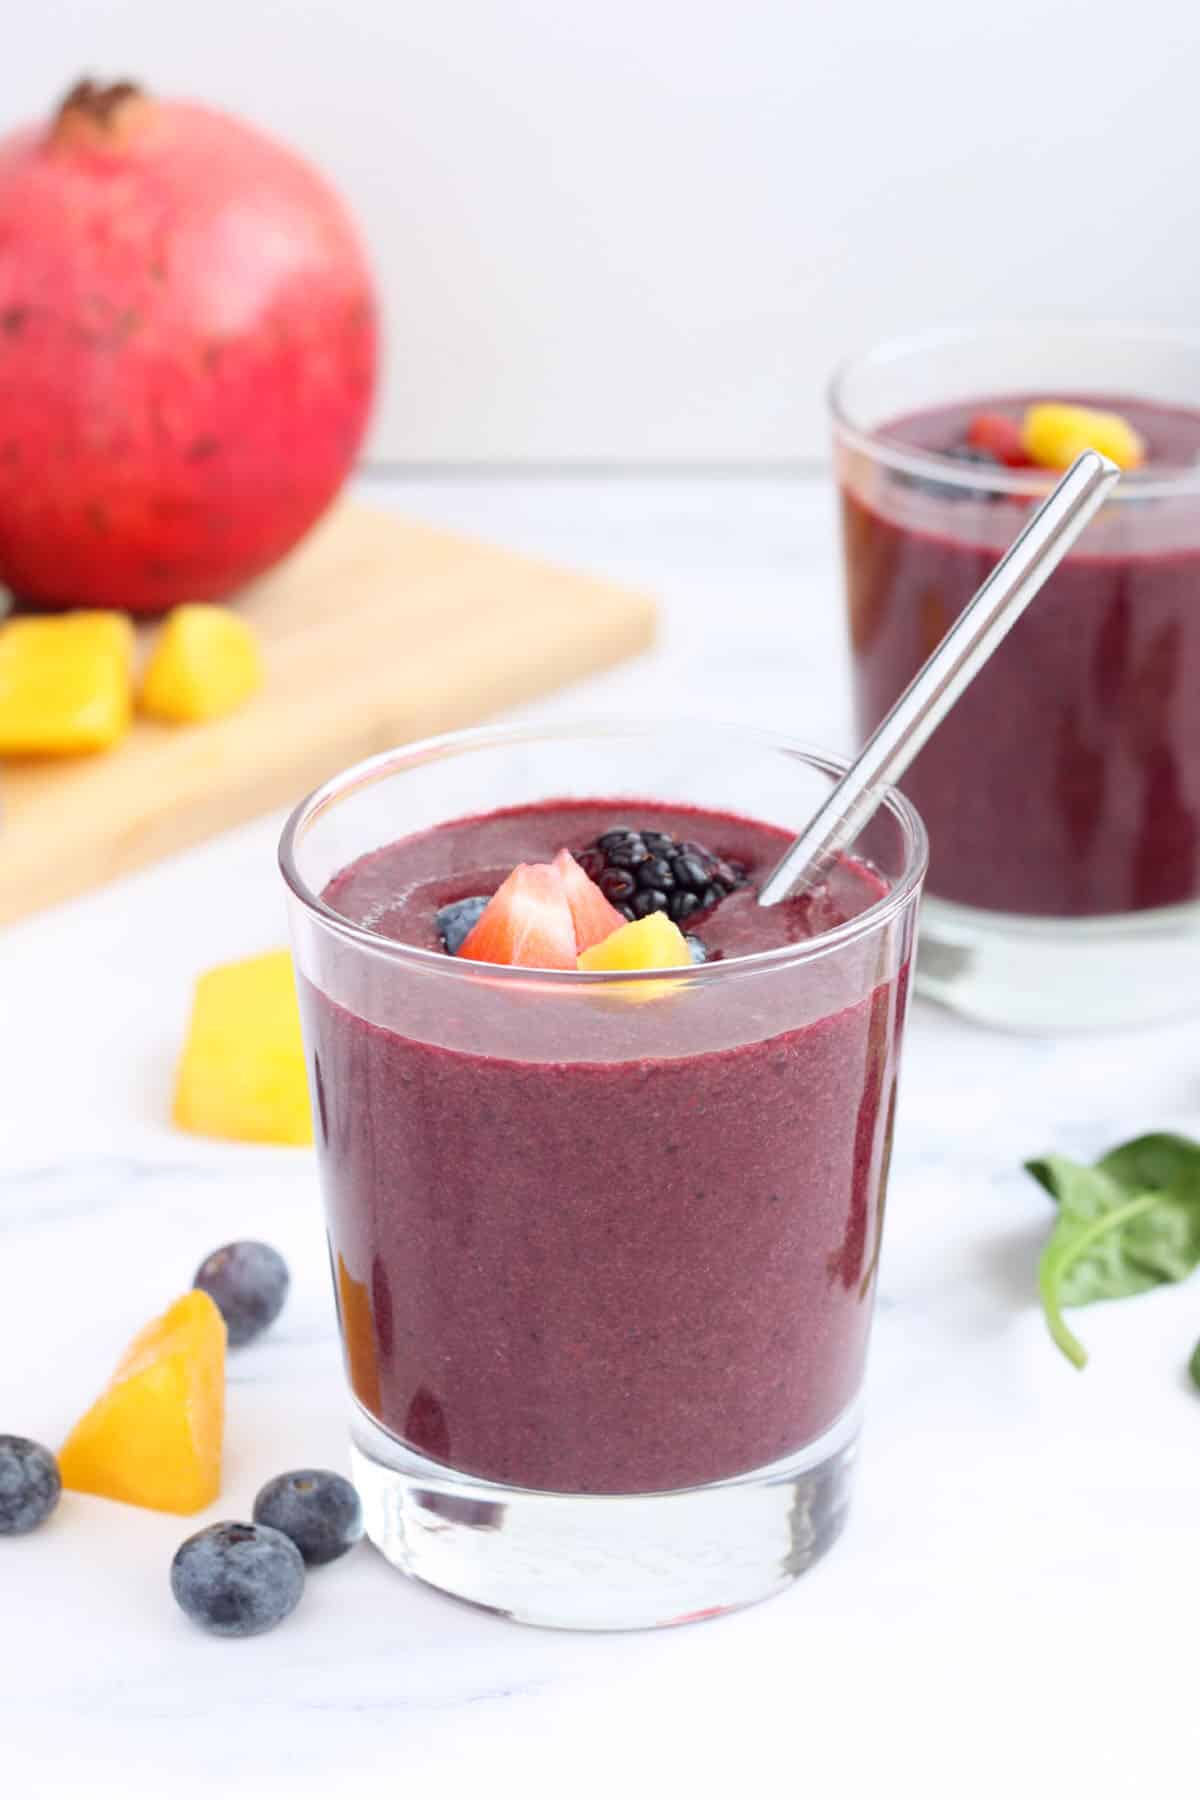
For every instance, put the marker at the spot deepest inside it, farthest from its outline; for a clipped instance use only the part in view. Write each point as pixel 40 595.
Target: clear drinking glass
pixel 1062 794
pixel 603 1246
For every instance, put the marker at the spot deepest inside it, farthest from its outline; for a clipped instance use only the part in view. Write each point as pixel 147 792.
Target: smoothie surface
pixel 396 891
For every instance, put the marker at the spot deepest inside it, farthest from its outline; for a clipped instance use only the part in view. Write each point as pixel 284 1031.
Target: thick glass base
pixel 1032 974
pixel 604 1562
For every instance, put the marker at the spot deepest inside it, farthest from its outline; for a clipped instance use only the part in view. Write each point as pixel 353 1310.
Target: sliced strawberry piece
pixel 595 916
pixel 1000 437
pixel 527 921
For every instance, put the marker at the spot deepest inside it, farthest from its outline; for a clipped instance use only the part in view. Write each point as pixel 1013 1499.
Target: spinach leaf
pixel 1127 1224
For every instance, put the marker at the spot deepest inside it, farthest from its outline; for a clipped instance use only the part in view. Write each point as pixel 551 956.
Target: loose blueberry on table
pixel 249 1282
pixel 237 1580
pixel 30 1485
pixel 319 1510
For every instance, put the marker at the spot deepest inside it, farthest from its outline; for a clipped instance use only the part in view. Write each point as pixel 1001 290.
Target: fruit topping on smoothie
pixel 654 942
pixel 594 917
pixel 557 915
pixel 645 872
pixel 999 439
pixel 1054 434
pixel 527 922
pixel 457 919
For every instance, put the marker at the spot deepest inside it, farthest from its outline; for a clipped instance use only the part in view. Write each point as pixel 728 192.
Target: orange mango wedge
pixel 154 1436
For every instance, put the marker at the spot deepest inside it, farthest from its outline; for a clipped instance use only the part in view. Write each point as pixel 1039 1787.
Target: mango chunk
pixel 66 683
pixel 154 1436
pixel 1053 435
pixel 242 1072
pixel 206 663
pixel 654 942
pixel 358 1336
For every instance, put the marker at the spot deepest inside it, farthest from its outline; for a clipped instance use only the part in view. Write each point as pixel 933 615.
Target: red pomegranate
pixel 187 352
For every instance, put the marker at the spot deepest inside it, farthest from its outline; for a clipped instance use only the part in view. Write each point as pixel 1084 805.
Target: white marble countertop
pixel 1011 1608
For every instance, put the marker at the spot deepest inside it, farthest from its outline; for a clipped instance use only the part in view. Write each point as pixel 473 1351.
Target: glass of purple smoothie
pixel 604 1246
pixel 1062 794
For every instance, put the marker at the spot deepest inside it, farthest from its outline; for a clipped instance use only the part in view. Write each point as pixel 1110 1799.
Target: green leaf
pixel 1127 1224
pixel 1194 1366
pixel 1167 1244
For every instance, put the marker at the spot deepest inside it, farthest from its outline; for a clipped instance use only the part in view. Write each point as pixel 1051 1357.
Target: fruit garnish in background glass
pixel 154 1437
pixel 206 663
pixel 1046 434
pixel 998 437
pixel 242 1073
pixel 66 683
pixel 1055 433
pixel 1126 1224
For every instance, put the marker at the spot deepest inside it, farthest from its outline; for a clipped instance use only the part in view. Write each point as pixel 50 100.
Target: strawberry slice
pixel 527 921
pixel 1000 437
pixel 595 916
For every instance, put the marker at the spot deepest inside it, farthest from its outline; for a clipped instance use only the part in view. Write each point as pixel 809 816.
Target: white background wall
pixel 642 230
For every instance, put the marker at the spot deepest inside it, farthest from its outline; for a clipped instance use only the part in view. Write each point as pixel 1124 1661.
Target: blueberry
pixel 456 920
pixel 249 1282
pixel 30 1485
pixel 947 490
pixel 318 1510
pixel 237 1580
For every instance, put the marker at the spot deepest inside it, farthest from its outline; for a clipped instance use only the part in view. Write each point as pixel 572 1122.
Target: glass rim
pixel 372 769
pixel 932 465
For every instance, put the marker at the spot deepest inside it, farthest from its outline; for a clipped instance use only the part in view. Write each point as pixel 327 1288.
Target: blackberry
pixel 645 872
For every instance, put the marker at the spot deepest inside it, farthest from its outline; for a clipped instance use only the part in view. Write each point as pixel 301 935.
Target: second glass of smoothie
pixel 1062 794
pixel 604 1245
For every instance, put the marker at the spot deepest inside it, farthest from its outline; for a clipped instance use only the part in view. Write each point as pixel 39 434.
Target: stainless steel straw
pixel 979 628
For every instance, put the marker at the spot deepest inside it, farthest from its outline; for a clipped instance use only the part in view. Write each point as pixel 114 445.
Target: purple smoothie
pixel 605 1260
pixel 1066 781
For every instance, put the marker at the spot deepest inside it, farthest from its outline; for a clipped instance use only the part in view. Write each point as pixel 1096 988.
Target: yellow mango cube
pixel 206 663
pixel 66 683
pixel 1053 435
pixel 154 1436
pixel 654 942
pixel 242 1072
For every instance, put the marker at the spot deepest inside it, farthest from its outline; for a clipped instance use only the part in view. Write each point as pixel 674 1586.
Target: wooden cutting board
pixel 374 632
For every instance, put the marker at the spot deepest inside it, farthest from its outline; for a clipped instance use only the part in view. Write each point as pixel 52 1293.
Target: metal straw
pixel 931 693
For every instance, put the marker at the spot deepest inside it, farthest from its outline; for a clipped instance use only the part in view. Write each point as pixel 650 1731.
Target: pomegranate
pixel 187 352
